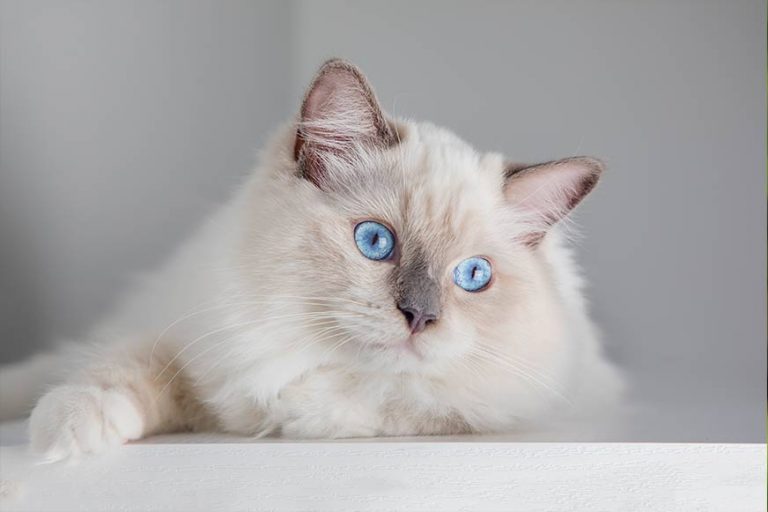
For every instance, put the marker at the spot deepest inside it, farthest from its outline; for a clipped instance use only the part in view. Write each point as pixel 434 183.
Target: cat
pixel 373 277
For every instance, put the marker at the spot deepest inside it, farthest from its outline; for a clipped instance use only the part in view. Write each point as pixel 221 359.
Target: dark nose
pixel 417 320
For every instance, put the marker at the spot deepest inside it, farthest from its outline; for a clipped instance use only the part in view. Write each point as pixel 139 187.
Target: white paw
pixel 72 420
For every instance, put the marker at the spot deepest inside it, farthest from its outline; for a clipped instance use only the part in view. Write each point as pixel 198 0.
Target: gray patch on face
pixel 412 286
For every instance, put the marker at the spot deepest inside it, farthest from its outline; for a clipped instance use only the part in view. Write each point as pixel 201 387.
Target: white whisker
pixel 250 323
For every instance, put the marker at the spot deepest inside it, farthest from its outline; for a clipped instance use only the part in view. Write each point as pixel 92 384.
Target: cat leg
pixel 334 419
pixel 118 396
pixel 320 406
pixel 329 403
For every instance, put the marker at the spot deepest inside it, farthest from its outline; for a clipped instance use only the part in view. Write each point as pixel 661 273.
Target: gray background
pixel 122 124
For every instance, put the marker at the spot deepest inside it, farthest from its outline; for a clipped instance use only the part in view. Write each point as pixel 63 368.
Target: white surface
pixel 428 475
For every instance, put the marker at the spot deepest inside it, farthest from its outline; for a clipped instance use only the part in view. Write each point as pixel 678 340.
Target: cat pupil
pixel 375 239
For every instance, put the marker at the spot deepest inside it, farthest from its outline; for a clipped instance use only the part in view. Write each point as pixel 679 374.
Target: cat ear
pixel 340 114
pixel 545 193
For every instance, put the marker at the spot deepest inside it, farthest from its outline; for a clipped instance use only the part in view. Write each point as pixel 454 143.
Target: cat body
pixel 272 321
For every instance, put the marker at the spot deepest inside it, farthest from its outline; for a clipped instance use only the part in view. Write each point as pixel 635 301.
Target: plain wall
pixel 124 123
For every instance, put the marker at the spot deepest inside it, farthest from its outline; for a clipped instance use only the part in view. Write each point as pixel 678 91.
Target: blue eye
pixel 374 240
pixel 472 274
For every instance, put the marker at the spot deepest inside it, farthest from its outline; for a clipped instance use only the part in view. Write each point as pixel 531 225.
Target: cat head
pixel 420 248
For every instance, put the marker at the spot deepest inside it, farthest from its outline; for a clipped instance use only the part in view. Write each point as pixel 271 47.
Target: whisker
pixel 318 301
pixel 527 365
pixel 322 335
pixel 521 373
pixel 335 347
pixel 190 361
pixel 250 323
pixel 328 332
pixel 511 358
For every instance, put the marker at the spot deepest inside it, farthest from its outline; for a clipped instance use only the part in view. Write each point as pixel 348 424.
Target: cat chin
pixel 405 356
pixel 408 348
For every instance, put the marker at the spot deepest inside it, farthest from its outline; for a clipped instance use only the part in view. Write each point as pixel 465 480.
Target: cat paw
pixel 72 420
pixel 320 428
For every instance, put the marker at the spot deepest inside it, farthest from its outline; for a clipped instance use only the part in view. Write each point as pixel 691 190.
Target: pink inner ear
pixel 339 110
pixel 336 105
pixel 546 193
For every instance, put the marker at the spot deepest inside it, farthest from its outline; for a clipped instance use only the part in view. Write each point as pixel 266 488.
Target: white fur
pixel 70 420
pixel 270 321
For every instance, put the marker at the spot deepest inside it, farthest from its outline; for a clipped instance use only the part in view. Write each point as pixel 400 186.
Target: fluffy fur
pixel 270 321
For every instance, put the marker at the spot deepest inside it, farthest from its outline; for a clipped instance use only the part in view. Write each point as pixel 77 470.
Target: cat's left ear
pixel 545 193
pixel 339 116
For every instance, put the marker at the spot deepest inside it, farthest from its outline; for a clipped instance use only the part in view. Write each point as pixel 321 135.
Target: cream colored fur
pixel 270 321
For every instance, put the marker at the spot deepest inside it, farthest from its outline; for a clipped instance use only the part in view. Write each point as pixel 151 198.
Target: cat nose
pixel 417 320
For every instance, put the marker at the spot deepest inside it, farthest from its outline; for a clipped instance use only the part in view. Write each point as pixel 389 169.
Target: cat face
pixel 425 250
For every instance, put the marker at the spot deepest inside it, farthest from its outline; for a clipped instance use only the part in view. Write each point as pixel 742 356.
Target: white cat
pixel 373 277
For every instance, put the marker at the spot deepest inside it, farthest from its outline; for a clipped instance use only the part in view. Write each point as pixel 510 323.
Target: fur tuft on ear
pixel 545 193
pixel 339 115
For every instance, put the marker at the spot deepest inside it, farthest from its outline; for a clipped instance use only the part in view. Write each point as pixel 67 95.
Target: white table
pixel 213 473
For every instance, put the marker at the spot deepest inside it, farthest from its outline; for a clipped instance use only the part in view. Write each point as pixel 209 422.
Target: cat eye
pixel 472 274
pixel 374 240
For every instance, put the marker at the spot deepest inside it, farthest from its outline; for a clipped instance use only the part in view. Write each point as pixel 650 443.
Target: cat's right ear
pixel 339 116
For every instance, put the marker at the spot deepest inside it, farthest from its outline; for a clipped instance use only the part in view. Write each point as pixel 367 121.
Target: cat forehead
pixel 434 188
pixel 440 171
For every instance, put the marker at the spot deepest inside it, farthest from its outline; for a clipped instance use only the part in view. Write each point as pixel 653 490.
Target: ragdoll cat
pixel 373 277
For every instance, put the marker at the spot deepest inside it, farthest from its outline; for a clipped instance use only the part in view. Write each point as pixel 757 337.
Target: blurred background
pixel 124 123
